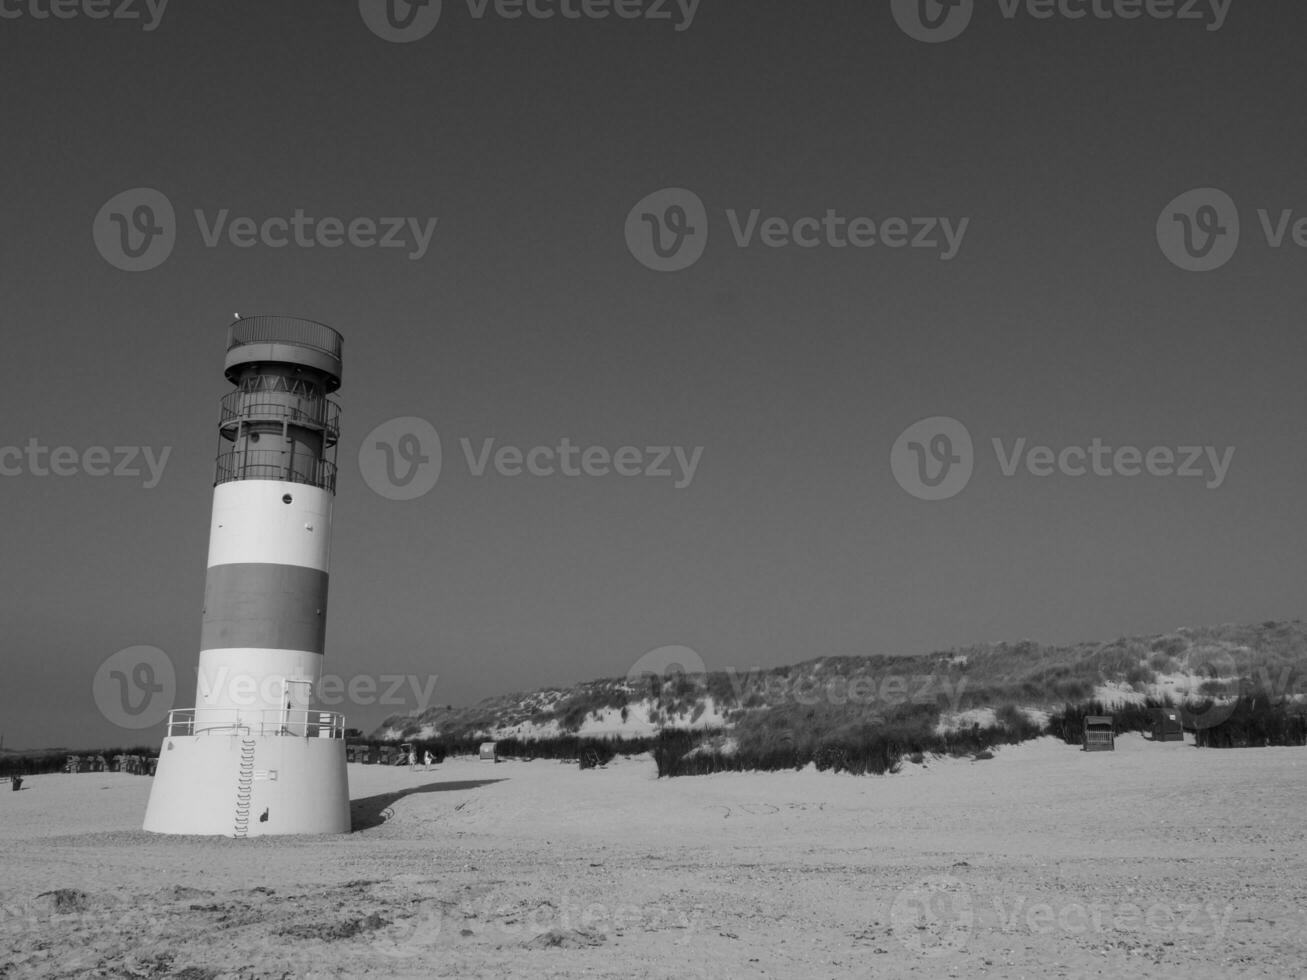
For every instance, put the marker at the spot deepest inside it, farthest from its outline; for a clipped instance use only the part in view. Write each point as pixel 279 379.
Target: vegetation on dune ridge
pixel 778 740
pixel 866 714
pixel 1186 663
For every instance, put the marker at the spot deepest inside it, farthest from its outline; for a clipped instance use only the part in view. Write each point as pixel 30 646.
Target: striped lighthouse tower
pixel 254 756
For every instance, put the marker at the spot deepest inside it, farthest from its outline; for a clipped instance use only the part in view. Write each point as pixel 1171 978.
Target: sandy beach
pixel 1157 860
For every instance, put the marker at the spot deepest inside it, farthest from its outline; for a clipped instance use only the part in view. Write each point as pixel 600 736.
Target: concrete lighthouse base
pixel 242 785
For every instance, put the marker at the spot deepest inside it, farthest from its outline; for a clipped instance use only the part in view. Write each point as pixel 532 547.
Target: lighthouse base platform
pixel 249 785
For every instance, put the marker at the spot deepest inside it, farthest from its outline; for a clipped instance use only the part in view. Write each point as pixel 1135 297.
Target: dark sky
pixel 528 320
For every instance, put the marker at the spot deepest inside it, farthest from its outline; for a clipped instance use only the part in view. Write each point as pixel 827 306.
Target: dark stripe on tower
pixel 273 607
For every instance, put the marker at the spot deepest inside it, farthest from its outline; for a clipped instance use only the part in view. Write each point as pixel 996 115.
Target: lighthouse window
pixel 286 498
pixel 254 437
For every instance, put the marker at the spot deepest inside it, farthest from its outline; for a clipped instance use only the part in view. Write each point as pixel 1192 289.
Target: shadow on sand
pixel 371 810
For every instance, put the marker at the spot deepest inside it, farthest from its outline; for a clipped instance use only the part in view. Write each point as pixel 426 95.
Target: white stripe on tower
pixel 253 524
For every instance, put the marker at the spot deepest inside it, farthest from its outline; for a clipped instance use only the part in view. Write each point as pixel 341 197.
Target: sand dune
pixel 1153 861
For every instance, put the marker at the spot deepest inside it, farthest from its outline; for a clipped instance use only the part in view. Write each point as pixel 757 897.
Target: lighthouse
pixel 254 756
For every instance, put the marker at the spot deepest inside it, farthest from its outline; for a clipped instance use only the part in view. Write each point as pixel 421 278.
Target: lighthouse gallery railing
pixel 297 722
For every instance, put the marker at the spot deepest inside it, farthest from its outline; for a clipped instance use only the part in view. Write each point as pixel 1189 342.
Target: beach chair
pixel 1167 726
pixel 1099 735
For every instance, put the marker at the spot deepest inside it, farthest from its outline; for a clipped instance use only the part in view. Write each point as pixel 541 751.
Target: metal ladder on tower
pixel 245 787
